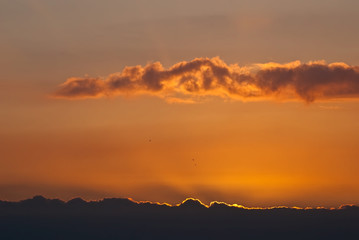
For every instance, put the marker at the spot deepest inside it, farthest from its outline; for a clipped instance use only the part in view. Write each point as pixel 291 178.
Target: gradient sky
pixel 264 152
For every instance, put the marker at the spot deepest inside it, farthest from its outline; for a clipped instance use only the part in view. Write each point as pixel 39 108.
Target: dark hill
pixel 118 218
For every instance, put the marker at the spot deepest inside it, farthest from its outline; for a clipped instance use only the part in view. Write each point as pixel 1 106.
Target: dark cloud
pixel 311 81
pixel 203 77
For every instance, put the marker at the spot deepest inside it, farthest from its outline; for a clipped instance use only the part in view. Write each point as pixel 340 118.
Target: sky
pixel 248 102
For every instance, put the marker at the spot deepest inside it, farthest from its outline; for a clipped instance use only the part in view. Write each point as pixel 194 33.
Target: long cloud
pixel 186 82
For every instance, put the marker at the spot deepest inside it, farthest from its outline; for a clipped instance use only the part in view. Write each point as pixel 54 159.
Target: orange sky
pixel 257 152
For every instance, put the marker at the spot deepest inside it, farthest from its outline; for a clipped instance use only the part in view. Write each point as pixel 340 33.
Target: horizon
pixel 190 200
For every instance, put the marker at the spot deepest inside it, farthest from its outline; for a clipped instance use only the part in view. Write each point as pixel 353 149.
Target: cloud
pixel 187 82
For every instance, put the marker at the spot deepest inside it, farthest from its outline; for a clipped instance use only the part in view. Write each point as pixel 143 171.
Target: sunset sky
pixel 253 102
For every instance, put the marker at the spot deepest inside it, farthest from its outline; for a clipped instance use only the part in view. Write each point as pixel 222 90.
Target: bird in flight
pixel 195 163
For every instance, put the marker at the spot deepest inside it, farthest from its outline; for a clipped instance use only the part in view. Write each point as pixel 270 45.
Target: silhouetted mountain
pixel 118 218
pixel 76 202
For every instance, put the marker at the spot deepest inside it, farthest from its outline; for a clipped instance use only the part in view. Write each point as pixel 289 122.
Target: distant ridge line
pixel 41 201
